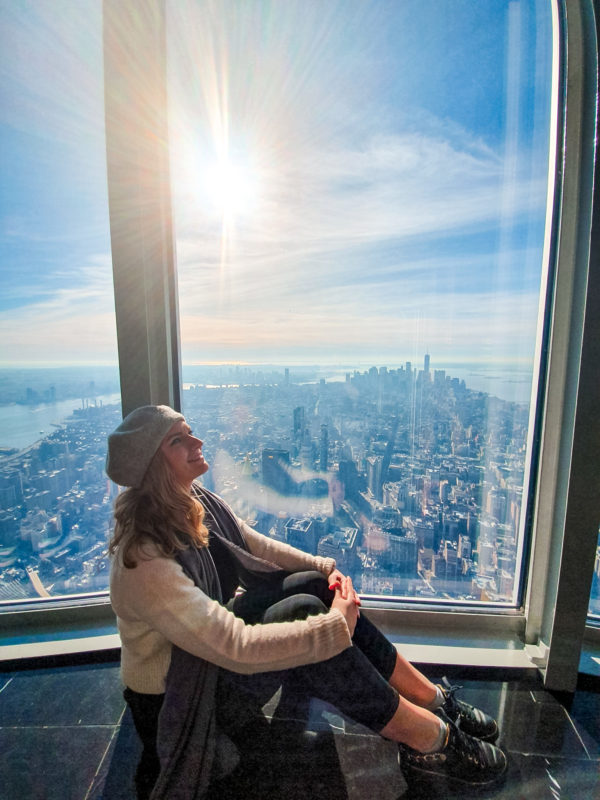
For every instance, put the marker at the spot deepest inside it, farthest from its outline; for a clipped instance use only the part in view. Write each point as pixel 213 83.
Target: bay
pixel 22 425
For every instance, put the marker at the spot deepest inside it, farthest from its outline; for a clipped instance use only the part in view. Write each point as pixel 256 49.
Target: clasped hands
pixel 346 598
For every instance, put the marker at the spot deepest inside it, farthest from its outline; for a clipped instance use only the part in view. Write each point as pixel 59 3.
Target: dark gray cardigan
pixel 191 749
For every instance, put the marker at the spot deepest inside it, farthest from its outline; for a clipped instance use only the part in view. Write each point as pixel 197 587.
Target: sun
pixel 232 188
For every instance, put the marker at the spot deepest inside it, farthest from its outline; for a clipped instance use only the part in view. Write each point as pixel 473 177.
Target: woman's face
pixel 183 453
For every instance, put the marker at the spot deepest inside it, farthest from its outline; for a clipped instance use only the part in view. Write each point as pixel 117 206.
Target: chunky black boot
pixel 463 762
pixel 469 719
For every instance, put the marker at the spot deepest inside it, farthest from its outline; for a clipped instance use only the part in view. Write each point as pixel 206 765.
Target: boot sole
pixel 443 779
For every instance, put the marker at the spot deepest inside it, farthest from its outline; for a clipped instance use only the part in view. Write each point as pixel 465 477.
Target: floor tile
pixel 50 763
pixel 552 778
pixel 115 777
pixel 299 765
pixel 370 767
pixel 535 724
pixel 541 778
pixel 585 713
pixel 67 734
pixel 84 695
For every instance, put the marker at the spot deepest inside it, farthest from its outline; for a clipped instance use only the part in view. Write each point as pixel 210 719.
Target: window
pixel 310 276
pixel 360 201
pixel 59 389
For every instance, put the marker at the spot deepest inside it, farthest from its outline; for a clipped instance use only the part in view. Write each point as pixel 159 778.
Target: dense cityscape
pixel 413 482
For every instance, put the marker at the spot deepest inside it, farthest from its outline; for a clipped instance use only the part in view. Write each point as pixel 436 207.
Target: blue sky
pixel 386 162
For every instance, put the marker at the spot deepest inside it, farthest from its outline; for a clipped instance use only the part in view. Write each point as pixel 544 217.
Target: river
pixel 22 425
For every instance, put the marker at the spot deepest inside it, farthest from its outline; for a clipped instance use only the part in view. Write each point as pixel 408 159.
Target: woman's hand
pixel 347 601
pixel 335 578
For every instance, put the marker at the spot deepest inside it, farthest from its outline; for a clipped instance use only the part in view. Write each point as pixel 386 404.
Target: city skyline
pixel 342 445
pixel 407 476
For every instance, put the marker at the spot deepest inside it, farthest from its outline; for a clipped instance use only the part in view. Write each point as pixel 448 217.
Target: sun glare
pixel 232 188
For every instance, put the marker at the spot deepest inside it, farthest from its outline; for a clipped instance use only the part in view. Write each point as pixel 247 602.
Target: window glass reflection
pixel 360 205
pixel 58 396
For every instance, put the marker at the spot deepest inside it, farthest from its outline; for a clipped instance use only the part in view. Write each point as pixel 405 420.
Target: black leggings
pixel 355 681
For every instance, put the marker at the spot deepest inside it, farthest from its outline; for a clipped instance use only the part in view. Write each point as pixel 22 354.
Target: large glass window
pixel 58 380
pixel 360 194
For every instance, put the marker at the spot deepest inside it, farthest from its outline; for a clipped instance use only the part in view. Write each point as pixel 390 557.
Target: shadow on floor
pixel 291 759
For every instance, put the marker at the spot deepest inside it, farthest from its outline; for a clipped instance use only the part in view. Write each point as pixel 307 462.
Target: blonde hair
pixel 161 513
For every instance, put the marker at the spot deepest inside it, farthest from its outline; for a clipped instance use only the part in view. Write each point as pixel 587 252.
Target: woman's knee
pixel 298 606
pixel 309 582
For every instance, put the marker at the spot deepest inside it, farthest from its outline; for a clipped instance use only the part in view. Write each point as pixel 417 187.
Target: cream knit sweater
pixel 157 604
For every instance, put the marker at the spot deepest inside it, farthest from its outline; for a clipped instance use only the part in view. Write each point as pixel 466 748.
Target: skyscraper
pixel 323 448
pixel 298 422
pixel 275 470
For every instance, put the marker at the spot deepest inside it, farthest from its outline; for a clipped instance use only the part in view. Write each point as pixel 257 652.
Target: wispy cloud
pixel 350 252
pixel 71 324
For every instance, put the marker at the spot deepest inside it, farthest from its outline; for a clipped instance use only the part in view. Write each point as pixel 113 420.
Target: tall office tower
pixel 11 488
pixel 374 476
pixel 307 455
pixel 426 364
pixel 348 475
pixel 497 503
pixel 487 558
pixel 439 377
pixel 464 547
pixel 323 448
pixel 9 532
pixel 287 376
pixel 298 422
pixel 275 472
pixel 403 553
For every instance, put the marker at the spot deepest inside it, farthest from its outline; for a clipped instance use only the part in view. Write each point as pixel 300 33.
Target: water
pixel 22 425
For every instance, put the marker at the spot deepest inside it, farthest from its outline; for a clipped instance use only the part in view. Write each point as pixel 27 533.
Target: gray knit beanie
pixel 133 444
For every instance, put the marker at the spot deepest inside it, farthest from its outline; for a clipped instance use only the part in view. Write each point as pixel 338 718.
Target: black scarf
pixel 190 748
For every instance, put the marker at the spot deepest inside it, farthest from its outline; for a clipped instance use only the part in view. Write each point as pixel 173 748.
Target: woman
pixel 206 654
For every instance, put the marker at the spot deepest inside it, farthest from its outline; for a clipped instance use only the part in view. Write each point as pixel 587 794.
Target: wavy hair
pixel 160 513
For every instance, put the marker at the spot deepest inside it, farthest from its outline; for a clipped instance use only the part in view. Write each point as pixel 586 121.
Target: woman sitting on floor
pixel 200 656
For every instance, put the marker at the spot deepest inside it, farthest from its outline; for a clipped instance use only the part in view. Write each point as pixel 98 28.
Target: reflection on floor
pixel 65 734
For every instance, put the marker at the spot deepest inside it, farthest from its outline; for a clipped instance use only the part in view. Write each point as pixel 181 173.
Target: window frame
pixel 548 632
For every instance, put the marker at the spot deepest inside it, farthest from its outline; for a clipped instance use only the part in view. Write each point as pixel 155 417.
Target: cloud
pixel 332 204
pixel 72 324
pixel 500 325
pixel 394 187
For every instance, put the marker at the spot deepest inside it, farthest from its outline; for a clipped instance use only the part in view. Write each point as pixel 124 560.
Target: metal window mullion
pixel 568 502
pixel 139 202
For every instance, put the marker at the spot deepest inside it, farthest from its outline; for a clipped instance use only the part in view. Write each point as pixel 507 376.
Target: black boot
pixel 469 719
pixel 463 762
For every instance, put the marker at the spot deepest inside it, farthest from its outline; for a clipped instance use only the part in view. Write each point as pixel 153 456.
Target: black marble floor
pixel 65 735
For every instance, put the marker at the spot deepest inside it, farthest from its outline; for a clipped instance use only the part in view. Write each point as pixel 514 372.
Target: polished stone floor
pixel 65 735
